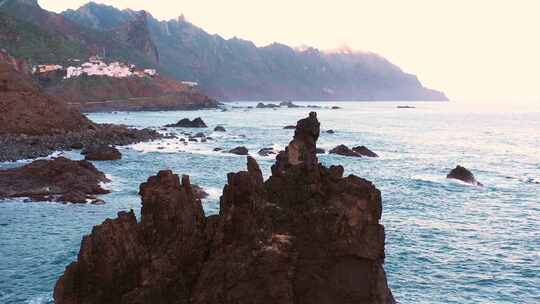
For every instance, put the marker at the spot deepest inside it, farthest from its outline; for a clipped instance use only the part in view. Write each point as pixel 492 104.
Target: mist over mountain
pixel 234 68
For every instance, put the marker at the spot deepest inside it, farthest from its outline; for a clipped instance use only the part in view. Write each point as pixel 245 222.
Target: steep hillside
pixel 101 93
pixel 24 109
pixel 44 37
pixel 238 69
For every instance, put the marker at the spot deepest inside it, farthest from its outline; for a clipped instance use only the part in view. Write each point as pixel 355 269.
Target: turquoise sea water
pixel 447 242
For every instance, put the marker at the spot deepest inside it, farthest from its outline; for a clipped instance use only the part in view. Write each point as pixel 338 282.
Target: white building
pixel 96 67
pixel 190 83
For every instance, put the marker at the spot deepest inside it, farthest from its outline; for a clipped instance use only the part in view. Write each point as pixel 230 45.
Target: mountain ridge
pixel 237 69
pixel 226 69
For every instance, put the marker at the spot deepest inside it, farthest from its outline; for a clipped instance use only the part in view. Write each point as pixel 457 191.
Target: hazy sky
pixel 481 50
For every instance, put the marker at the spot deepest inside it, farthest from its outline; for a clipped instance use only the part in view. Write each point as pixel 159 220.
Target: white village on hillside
pixel 95 66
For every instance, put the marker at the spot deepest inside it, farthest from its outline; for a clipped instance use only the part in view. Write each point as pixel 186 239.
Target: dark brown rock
pixel 199 192
pixel 101 153
pixel 289 104
pixel 364 151
pixel 59 179
pixel 463 174
pixel 306 235
pixel 261 105
pixel 266 151
pixel 24 109
pixel 186 123
pixel 345 151
pixel 239 151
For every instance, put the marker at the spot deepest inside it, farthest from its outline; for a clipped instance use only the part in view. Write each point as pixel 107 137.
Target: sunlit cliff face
pixel 472 50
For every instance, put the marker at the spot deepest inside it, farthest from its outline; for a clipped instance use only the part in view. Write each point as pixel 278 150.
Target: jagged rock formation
pixel 60 179
pixel 135 33
pixel 306 235
pixel 463 174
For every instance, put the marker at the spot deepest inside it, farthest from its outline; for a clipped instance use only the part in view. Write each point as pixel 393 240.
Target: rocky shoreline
pixel 306 235
pixel 20 146
pixel 59 179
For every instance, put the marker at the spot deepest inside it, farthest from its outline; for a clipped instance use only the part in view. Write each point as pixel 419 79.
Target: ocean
pixel 446 241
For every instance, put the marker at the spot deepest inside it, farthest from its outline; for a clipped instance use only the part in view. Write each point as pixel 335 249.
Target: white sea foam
pixel 40 299
pixel 214 194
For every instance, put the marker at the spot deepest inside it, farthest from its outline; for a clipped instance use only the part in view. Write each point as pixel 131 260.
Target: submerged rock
pixel 186 123
pixel 219 129
pixel 101 153
pixel 289 127
pixel 364 151
pixel 345 151
pixel 463 174
pixel 59 179
pixel 239 151
pixel 306 235
pixel 330 131
pixel 320 151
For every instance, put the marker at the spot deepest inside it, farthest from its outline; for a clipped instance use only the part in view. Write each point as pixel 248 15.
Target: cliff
pixel 306 235
pixel 24 109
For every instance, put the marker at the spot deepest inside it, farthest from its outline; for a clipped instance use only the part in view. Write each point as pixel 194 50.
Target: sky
pixel 477 50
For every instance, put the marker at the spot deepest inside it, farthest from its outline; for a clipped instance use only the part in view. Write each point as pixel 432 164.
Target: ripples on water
pixel 447 242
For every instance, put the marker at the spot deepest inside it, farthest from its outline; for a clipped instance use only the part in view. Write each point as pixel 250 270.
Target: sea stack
pixel 306 235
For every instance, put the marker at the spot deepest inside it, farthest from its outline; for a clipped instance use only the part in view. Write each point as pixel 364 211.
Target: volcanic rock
pixel 101 153
pixel 320 151
pixel 219 129
pixel 330 131
pixel 306 235
pixel 289 127
pixel 362 150
pixel 186 123
pixel 24 109
pixel 33 124
pixel 261 105
pixel 239 151
pixel 464 175
pixel 288 104
pixel 59 179
pixel 345 151
pixel 266 151
pixel 199 192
